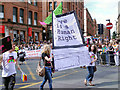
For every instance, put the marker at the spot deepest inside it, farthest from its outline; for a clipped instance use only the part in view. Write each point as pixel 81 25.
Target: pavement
pixel 106 77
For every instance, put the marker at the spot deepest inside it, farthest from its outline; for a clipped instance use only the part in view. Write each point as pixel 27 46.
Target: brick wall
pixel 8 14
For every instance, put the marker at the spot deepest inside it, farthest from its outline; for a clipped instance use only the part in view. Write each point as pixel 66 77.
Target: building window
pixel 50 6
pixel 35 18
pixel 1 11
pixel 55 5
pixel 30 18
pixel 30 1
pixel 35 2
pixel 68 6
pixel 36 36
pixel 72 7
pixel 21 16
pixel 21 0
pixel 14 14
pixel 79 13
pixel 76 2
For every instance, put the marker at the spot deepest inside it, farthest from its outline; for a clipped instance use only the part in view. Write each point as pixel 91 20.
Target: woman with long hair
pixel 91 66
pixel 48 65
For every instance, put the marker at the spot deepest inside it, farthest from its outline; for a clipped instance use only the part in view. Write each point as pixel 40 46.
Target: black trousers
pixel 9 82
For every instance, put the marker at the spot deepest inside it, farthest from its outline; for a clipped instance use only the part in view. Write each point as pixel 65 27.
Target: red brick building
pixel 19 18
pixel 95 26
pixel 89 24
pixel 67 6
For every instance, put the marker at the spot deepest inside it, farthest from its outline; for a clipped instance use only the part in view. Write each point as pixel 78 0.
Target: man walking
pixel 9 59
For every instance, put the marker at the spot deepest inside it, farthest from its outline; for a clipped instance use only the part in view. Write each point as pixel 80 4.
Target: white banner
pixel 33 53
pixel 66 32
pixel 71 58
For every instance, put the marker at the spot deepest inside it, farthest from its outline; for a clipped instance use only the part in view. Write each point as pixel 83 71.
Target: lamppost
pixel 109 29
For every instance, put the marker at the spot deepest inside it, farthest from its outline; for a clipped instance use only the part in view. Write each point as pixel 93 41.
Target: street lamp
pixel 108 20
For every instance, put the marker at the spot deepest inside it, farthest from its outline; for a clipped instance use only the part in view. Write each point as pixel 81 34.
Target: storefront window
pixel 36 36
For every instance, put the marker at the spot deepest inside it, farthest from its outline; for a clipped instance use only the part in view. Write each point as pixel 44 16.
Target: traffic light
pixel 100 28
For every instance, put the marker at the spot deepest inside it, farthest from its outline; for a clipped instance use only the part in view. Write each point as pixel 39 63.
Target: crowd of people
pixel 106 52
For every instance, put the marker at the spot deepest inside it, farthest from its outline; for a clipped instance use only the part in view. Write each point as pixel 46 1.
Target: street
pixel 105 77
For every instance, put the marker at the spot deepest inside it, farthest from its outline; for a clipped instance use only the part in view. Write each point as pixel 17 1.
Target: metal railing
pixel 108 59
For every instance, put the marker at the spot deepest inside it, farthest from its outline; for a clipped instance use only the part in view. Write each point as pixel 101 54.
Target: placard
pixel 66 31
pixel 5 44
pixel 68 43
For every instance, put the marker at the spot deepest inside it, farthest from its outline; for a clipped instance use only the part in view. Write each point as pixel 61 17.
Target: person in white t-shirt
pixel 9 60
pixel 91 66
pixel 116 54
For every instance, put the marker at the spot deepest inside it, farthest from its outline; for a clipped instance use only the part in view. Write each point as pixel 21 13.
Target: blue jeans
pixel 47 77
pixel 90 73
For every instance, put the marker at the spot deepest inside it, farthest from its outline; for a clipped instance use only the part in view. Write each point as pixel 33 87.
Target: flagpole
pixel 52 32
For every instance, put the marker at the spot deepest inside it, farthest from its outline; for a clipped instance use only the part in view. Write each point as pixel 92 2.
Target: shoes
pixel 91 84
pixel 85 82
pixel 21 64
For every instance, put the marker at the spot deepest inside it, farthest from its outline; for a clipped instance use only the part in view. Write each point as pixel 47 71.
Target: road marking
pixel 32 75
pixel 41 81
pixel 20 84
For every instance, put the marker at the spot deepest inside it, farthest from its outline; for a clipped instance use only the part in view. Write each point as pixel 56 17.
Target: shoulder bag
pixel 40 70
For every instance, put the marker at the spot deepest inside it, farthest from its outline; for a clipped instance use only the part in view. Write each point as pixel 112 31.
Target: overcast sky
pixel 102 10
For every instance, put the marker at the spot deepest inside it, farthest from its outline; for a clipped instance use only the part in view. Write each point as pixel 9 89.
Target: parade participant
pixel 107 53
pixel 52 61
pixel 48 65
pixel 9 59
pixel 91 66
pixel 111 53
pixel 116 50
pixel 21 55
pixel 103 54
pixel 17 49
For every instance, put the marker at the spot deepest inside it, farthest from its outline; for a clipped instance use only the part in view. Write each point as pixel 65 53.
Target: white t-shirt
pixel 92 56
pixel 8 64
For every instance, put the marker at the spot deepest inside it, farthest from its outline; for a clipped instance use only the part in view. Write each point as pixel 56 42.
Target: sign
pixel 66 31
pixel 68 44
pixel 109 26
pixel 5 44
pixel 30 32
pixel 33 53
pixel 2 29
pixel 68 58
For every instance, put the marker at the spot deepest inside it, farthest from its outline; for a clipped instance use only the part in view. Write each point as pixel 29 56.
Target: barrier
pixel 109 59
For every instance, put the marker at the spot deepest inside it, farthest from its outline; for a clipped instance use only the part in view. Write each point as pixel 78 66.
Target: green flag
pixel 57 11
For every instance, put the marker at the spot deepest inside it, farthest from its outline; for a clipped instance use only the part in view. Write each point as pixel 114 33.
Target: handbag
pixel 40 70
pixel 95 69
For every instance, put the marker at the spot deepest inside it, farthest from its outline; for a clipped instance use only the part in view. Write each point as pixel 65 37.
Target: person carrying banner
pixel 9 59
pixel 48 65
pixel 91 66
